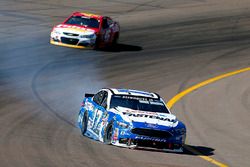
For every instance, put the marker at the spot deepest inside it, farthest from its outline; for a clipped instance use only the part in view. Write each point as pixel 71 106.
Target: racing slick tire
pixel 108 134
pixel 84 124
pixel 97 43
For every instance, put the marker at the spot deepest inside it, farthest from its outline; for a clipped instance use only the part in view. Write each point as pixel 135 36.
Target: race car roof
pixel 87 15
pixel 134 93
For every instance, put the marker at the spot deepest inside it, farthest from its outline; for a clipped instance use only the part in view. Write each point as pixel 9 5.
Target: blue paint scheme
pixel 99 118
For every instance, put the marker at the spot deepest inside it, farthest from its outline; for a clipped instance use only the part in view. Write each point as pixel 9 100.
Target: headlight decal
pixel 180 131
pixel 56 32
pixel 87 36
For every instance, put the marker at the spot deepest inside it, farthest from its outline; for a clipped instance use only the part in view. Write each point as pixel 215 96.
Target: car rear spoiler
pixel 88 95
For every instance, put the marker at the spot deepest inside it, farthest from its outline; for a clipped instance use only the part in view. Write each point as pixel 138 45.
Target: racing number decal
pixel 93 118
pixel 80 118
pixel 96 119
pixel 106 35
pixel 115 28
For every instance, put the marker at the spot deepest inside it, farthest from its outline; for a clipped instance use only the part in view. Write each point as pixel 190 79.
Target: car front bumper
pixel 125 138
pixel 73 42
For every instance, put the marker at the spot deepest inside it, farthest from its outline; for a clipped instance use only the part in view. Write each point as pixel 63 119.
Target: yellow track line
pixel 207 158
pixel 180 95
pixel 177 97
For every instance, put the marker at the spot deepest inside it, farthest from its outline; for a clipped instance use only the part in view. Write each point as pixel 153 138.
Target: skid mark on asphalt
pixel 44 103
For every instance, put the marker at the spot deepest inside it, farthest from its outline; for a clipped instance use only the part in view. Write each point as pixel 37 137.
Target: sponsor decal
pixel 130 111
pixel 152 125
pixel 89 106
pixel 116 133
pixel 106 35
pixel 80 118
pixel 115 28
pixel 151 138
pixel 90 123
pixel 148 115
pixel 73 27
pixel 136 98
pixel 122 132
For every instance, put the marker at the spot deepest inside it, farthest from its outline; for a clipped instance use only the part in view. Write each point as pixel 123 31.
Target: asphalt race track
pixel 165 46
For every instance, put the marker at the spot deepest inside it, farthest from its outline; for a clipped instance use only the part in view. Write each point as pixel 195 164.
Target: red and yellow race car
pixel 82 30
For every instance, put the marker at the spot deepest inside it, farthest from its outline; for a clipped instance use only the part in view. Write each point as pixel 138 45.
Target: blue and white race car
pixel 130 118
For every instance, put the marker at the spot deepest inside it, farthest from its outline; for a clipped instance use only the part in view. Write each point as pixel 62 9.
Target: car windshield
pixel 83 21
pixel 138 103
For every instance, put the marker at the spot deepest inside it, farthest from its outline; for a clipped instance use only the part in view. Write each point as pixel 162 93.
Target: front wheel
pixel 84 124
pixel 97 43
pixel 108 134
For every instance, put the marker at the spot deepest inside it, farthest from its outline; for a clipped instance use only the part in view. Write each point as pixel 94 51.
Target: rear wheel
pixel 84 124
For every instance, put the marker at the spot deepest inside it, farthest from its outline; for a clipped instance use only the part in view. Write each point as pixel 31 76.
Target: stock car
pixel 85 30
pixel 132 119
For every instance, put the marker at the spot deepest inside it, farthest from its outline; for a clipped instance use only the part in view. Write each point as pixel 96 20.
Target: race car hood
pixel 149 118
pixel 74 29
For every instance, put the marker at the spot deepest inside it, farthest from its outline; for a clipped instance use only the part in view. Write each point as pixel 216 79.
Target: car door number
pixel 106 35
pixel 96 118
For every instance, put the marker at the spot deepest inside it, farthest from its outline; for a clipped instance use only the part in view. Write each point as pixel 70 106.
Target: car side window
pixel 104 101
pixel 105 23
pixel 98 97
